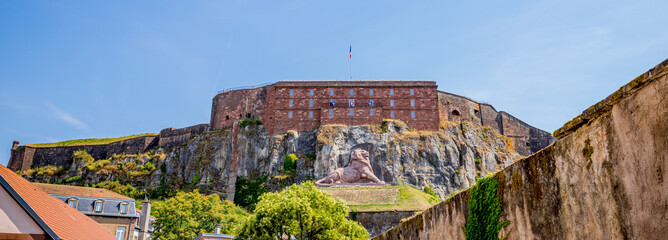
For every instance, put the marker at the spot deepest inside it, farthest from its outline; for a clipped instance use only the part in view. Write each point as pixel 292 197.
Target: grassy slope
pixel 386 198
pixel 88 141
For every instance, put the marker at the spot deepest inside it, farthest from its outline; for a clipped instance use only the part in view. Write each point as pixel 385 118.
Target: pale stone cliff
pixel 447 160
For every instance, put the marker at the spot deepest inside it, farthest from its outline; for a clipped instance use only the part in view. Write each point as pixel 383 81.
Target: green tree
pixel 301 211
pixel 186 215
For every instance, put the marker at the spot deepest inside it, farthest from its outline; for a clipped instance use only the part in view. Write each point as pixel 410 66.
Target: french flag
pixel 351 51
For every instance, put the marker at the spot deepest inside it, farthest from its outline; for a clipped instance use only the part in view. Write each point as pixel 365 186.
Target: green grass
pixel 400 198
pixel 88 141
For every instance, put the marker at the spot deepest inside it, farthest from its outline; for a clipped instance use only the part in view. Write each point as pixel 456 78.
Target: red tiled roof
pixel 65 221
pixel 80 191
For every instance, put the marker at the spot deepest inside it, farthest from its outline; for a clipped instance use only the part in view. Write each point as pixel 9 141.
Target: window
pixel 370 92
pixel 371 112
pixel 391 103
pixel 310 92
pixel 124 208
pixel 292 92
pixel 352 112
pixel 99 206
pixel 412 114
pixel 371 103
pixel 290 102
pixel 289 114
pixel 331 112
pixel 391 92
pixel 310 103
pixel 72 202
pixel 120 232
pixel 331 92
pixel 412 102
pixel 310 114
pixel 412 92
pixel 352 92
pixel 391 114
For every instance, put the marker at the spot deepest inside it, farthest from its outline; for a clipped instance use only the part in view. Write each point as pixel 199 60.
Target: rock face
pixel 447 160
pixel 604 179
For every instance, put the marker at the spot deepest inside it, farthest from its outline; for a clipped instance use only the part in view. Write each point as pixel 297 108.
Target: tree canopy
pixel 186 215
pixel 301 211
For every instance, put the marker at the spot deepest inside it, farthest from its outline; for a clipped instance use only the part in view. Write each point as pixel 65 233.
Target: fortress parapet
pixel 305 105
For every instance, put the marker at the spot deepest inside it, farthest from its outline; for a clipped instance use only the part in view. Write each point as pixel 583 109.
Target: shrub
pixel 249 122
pixel 97 165
pixel 82 155
pixel 48 170
pixel 477 160
pixel 148 168
pixel 290 163
pixel 73 179
pixel 430 191
pixel 133 174
pixel 127 190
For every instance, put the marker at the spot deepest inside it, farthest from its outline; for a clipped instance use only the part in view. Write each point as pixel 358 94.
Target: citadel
pixel 306 105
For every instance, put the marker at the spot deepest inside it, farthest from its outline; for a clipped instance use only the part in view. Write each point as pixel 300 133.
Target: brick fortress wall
pixel 305 105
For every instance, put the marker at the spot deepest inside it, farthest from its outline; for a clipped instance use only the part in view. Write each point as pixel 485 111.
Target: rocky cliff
pixel 447 160
pixel 605 178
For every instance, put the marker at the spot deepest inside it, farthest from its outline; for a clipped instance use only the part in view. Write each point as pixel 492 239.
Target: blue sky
pixel 92 69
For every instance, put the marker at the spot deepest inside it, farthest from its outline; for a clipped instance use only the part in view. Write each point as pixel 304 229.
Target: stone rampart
pixel 380 221
pixel 25 157
pixel 171 137
pixel 306 105
pixel 604 179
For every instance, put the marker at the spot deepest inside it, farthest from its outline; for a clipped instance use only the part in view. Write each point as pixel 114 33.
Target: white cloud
pixel 66 117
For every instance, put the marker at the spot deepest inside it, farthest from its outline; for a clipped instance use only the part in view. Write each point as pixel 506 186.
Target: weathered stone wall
pixel 25 157
pixel 230 107
pixel 171 137
pixel 526 138
pixel 379 222
pixel 604 178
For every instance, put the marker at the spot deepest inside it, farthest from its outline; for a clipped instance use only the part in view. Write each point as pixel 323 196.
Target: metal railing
pixel 246 87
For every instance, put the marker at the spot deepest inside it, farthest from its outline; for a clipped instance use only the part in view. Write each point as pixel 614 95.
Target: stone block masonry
pixel 604 179
pixel 305 105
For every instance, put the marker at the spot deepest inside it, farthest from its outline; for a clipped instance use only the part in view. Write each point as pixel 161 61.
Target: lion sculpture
pixel 358 171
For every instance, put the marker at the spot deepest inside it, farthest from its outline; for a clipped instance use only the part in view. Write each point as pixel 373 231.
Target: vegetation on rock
pixel 82 155
pixel 249 122
pixel 49 170
pixel 127 189
pixel 484 210
pixel 290 164
pixel 188 214
pixel 302 211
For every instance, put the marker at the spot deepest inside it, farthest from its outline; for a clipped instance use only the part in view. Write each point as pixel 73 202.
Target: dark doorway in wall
pixel 248 115
pixel 455 116
pixel 227 117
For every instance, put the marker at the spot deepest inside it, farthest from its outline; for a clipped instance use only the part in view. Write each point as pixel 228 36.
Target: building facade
pixel 114 211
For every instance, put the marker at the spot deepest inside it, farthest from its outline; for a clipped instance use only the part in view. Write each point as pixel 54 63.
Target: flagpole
pixel 351 62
